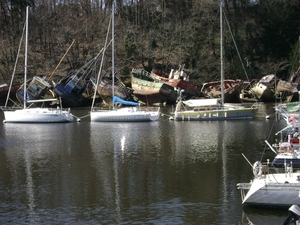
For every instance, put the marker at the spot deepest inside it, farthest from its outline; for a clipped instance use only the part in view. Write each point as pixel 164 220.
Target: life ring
pixel 257 171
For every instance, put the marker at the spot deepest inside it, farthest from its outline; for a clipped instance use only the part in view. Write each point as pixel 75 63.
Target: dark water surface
pixel 164 172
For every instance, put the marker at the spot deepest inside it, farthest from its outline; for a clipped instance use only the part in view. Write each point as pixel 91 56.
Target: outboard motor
pixel 293 216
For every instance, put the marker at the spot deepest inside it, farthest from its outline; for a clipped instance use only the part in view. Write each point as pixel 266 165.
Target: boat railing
pixel 9 108
pixel 49 109
pixel 267 169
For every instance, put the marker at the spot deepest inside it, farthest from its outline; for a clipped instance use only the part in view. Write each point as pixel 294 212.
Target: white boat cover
pixel 201 102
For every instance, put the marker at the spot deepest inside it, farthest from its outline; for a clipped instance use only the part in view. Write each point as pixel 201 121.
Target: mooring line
pixel 79 118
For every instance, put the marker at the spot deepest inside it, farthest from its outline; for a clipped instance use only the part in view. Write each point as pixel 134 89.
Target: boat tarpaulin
pixel 124 102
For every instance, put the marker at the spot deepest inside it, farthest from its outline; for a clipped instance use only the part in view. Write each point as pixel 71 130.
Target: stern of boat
pixel 244 188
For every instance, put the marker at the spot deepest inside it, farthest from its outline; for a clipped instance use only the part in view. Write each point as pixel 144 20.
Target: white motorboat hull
pixel 274 190
pixel 124 115
pixel 221 114
pixel 37 115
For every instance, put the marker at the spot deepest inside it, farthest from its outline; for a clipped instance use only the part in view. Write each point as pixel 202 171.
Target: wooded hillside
pixel 154 33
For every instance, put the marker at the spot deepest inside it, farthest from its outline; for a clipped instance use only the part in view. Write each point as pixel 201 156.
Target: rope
pixel 267 139
pixel 79 118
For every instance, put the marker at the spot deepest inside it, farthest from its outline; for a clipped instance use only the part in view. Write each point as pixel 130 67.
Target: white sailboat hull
pixel 124 115
pixel 37 115
pixel 34 115
pixel 274 190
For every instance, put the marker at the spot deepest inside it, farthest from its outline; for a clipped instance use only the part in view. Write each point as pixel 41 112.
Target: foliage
pixel 154 33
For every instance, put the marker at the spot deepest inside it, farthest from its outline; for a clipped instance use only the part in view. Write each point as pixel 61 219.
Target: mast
pixel 101 64
pixel 25 67
pixel 113 53
pixel 221 55
pixel 15 66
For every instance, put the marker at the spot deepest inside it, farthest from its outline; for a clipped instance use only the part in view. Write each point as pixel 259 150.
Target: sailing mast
pixel 25 67
pixel 15 66
pixel 101 64
pixel 221 55
pixel 113 53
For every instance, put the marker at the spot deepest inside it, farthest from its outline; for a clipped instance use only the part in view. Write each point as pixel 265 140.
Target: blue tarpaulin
pixel 124 102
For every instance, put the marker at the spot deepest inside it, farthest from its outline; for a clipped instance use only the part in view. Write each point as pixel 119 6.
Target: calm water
pixel 164 172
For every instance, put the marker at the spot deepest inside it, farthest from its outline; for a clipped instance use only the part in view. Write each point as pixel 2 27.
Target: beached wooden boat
pixel 232 89
pixel 247 95
pixel 289 89
pixel 77 88
pixel 149 91
pixel 74 89
pixel 177 79
pixel 37 88
pixel 105 86
pixel 40 88
pixel 264 89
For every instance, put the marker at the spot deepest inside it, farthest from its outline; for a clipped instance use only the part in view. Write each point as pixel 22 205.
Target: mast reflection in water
pixel 164 172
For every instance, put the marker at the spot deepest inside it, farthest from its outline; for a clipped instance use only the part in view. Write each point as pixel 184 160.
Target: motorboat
pixel 214 108
pixel 211 109
pixel 287 150
pixel 287 154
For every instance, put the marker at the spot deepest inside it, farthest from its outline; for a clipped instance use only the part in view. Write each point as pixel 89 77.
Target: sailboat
pixel 34 115
pixel 271 187
pixel 212 109
pixel 76 88
pixel 127 114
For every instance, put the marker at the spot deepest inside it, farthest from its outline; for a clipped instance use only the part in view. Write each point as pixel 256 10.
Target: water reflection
pixel 169 168
pixel 122 167
pixel 30 190
pixel 36 173
pixel 260 216
pixel 166 172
